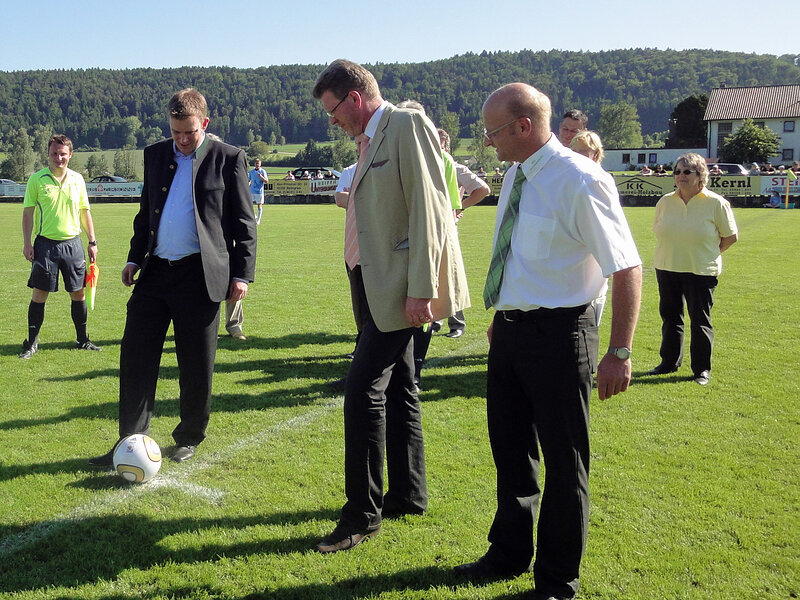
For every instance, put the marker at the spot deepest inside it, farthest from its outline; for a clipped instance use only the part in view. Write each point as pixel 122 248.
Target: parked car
pixel 731 169
pixel 6 181
pixel 109 179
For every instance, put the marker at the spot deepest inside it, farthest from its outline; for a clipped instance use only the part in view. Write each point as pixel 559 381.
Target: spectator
pixel 796 167
pixel 693 227
pixel 497 172
pixel 646 171
pixel 774 200
pixel 257 178
pixel 660 171
pixel 755 169
pixel 715 170
pixel 768 169
pixel 289 176
pixel 573 122
pixel 588 143
pixel 480 172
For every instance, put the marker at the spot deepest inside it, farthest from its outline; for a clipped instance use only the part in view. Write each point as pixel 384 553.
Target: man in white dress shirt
pixel 565 233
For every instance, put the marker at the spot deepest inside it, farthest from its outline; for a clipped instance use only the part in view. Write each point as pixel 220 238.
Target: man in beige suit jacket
pixel 406 271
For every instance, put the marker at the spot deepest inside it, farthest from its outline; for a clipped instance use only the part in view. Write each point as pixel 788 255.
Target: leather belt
pixel 518 316
pixel 179 262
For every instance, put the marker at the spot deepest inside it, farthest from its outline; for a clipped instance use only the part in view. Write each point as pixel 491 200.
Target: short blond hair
pixel 589 144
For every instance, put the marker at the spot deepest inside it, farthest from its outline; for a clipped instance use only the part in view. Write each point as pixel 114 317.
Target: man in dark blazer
pixel 193 245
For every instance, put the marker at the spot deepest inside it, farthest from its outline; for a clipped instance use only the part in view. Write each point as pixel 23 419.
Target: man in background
pixel 56 207
pixel 573 122
pixel 471 190
pixel 257 177
pixel 193 245
pixel 403 254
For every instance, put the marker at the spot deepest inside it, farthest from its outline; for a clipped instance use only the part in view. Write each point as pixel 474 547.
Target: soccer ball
pixel 137 458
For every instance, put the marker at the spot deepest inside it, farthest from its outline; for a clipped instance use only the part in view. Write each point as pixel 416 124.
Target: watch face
pixel 621 353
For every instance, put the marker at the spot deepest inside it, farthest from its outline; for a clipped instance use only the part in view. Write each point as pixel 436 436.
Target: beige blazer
pixel 406 232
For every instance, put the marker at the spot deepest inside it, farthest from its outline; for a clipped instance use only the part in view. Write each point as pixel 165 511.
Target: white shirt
pixel 570 233
pixel 372 124
pixel 177 229
pixel 346 178
pixel 468 182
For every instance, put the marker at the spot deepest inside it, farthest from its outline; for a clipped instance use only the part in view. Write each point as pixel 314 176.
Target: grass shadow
pixel 64 553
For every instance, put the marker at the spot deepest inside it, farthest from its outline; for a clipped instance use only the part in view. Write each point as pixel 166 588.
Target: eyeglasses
pixel 333 110
pixel 685 172
pixel 488 135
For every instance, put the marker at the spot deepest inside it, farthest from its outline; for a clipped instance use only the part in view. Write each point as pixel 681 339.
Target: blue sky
pixel 148 33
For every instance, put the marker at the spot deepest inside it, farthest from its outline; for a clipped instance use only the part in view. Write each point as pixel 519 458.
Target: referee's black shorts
pixel 52 256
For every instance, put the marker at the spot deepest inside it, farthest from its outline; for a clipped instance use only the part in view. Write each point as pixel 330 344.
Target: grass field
pixel 695 490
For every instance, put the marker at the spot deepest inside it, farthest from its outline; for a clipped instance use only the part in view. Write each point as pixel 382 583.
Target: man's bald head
pixel 529 132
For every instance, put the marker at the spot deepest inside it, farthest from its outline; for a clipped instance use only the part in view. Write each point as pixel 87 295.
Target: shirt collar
pixel 179 154
pixel 372 124
pixel 534 163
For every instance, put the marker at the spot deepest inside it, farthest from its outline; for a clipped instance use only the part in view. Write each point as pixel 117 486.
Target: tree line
pixel 103 108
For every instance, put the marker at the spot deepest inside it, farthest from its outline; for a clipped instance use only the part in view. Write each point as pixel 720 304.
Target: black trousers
pixel 169 292
pixel 381 411
pixel 538 388
pixel 698 292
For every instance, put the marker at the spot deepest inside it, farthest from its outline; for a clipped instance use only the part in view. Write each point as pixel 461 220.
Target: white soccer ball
pixel 137 458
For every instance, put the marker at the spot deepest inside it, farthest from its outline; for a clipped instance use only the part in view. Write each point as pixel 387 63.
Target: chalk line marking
pixel 177 480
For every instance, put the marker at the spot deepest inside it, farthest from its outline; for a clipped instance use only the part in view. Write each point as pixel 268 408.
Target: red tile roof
pixel 761 102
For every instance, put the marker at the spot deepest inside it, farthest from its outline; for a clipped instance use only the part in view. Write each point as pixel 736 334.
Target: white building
pixel 775 106
pixel 619 159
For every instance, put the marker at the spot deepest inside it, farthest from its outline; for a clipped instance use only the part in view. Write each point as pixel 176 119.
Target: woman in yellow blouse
pixel 693 227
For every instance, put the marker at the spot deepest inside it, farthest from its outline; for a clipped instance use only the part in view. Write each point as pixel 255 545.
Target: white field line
pixel 104 504
pixel 177 480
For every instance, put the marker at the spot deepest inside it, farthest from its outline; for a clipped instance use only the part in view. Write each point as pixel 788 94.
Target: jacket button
pixel 163 189
pixel 172 166
pixel 158 211
pixel 152 233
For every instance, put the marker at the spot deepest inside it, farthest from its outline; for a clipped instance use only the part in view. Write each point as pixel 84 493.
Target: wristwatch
pixel 93 243
pixel 621 353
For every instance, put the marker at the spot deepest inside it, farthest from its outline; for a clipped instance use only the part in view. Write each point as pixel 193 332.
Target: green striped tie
pixel 495 276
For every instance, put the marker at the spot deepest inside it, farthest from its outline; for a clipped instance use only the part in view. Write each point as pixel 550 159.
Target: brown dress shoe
pixel 344 538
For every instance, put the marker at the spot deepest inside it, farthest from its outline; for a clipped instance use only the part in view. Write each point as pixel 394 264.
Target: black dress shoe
pixel 393 510
pixel 107 459
pixel 702 378
pixel 337 385
pixel 104 460
pixel 485 568
pixel 661 370
pixel 344 538
pixel 182 453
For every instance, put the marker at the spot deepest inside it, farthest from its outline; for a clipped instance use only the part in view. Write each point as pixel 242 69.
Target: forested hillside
pixel 113 108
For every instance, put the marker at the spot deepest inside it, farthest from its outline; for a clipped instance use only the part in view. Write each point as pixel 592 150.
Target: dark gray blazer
pixel 222 207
